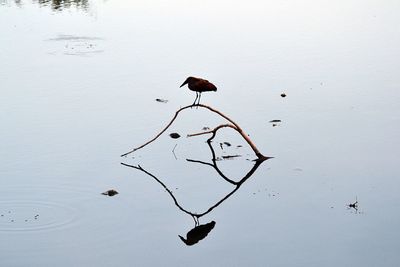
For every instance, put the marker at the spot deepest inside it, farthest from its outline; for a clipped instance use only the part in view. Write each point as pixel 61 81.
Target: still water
pixel 79 82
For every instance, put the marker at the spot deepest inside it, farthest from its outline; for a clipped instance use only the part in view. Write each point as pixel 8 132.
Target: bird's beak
pixel 185 82
pixel 181 237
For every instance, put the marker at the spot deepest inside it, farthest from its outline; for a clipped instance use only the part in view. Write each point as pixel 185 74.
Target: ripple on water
pixel 38 208
pixel 34 215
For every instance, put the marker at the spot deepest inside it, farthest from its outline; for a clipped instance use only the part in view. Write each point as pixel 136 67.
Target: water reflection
pixel 74 45
pixel 55 5
pixel 199 232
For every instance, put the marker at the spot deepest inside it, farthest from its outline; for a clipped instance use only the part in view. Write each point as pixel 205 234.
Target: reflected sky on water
pixel 79 83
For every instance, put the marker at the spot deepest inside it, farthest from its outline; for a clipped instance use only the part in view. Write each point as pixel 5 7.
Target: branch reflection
pixel 199 232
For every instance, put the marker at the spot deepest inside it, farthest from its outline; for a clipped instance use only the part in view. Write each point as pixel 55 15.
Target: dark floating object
pixel 283 95
pixel 231 156
pixel 174 135
pixel 110 193
pixel 198 233
pixel 199 85
pixel 205 128
pixel 224 143
pixel 161 100
pixel 353 205
pixel 275 122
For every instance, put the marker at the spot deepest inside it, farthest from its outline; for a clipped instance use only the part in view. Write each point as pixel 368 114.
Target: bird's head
pixel 188 80
pixel 183 239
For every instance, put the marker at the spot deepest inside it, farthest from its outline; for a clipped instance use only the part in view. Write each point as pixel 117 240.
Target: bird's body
pixel 199 85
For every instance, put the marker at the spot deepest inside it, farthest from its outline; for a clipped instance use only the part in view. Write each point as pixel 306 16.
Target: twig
pixel 173 151
pixel 213 130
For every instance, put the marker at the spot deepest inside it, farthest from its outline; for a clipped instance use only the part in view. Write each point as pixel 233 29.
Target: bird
pixel 199 85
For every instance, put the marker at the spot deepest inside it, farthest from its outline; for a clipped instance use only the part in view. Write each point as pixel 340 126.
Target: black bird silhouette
pixel 198 233
pixel 199 85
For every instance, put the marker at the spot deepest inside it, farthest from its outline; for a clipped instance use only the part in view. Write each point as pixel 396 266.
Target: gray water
pixel 78 83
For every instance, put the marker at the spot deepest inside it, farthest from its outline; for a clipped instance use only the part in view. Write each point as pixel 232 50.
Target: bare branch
pixel 233 125
pixel 158 135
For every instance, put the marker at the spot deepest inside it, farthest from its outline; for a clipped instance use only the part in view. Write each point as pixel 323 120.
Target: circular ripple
pixel 39 208
pixel 34 215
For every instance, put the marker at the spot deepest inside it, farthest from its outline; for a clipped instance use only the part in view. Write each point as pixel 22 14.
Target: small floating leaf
pixel 110 193
pixel 174 135
pixel 161 100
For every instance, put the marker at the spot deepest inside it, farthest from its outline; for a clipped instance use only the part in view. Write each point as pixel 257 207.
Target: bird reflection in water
pixel 199 232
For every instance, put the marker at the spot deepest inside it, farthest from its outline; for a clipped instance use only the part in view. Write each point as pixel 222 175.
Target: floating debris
pixel 205 128
pixel 161 100
pixel 353 205
pixel 224 143
pixel 174 135
pixel 110 193
pixel 283 95
pixel 231 156
pixel 275 122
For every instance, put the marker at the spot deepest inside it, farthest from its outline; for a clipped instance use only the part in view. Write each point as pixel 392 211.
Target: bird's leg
pixel 194 103
pixel 198 102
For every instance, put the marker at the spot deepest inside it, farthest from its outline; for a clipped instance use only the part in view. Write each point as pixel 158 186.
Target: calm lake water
pixel 79 82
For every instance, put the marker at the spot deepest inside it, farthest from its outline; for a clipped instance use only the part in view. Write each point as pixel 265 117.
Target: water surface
pixel 79 83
